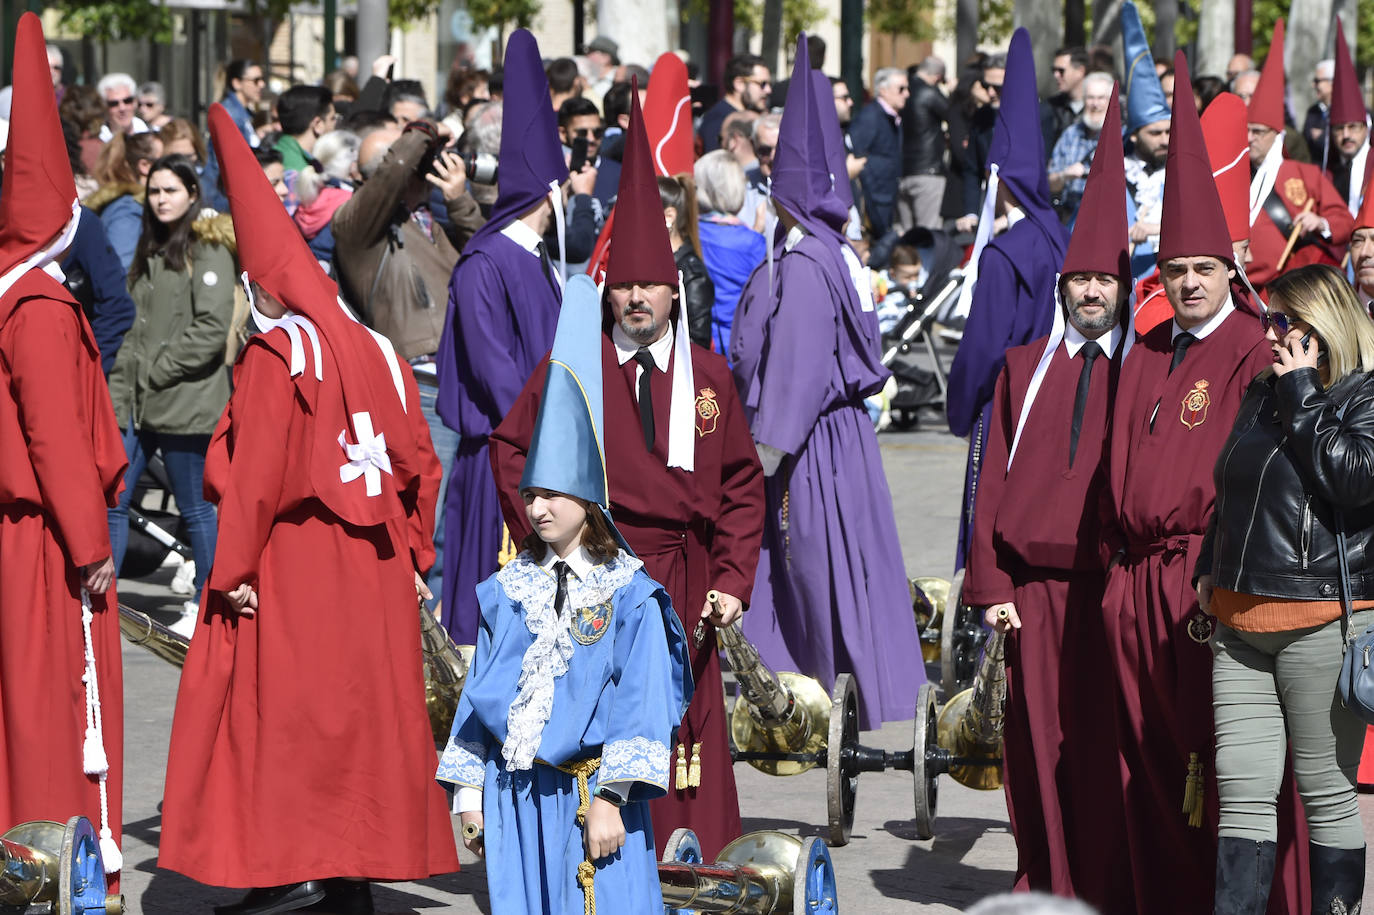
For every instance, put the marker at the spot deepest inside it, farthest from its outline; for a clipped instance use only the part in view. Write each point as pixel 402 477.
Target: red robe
pixel 1062 794
pixel 694 531
pixel 301 747
pixel 1296 184
pixel 1160 497
pixel 61 465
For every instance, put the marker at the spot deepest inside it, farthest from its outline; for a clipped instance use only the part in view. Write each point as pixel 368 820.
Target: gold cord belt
pixel 582 770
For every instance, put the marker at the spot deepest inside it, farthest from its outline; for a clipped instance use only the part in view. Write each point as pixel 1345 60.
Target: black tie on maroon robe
pixel 1089 352
pixel 1181 344
pixel 646 397
pixel 561 596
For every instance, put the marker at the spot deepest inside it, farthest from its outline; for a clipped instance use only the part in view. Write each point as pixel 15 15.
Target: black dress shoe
pixel 345 897
pixel 272 899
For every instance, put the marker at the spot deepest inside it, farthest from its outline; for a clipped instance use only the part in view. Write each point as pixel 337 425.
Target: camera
pixel 481 167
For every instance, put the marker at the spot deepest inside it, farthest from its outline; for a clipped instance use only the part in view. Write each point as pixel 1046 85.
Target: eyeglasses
pixel 583 133
pixel 1280 322
pixel 1318 80
pixel 148 103
pixel 991 87
pixel 760 82
pixel 844 98
pixel 1060 71
pixel 119 102
pixel 761 150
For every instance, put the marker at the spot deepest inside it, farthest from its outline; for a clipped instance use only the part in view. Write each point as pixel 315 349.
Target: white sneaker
pixel 186 625
pixel 184 581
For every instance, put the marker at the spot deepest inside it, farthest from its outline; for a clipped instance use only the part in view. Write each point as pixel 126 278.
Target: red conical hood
pixel 668 116
pixel 1347 102
pixel 1223 128
pixel 38 193
pixel 1193 223
pixel 1266 105
pixel 1101 234
pixel 640 248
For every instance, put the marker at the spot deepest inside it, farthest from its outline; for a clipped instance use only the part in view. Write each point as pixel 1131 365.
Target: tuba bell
pixel 48 867
pixel 757 874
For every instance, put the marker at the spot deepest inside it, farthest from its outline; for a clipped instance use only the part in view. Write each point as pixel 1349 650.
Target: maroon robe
pixel 1063 796
pixel 61 464
pixel 694 531
pixel 1160 497
pixel 1297 184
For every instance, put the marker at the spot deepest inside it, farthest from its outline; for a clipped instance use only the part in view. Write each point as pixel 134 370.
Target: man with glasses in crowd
pixel 1063 108
pixel 877 135
pixel 1073 153
pixel 120 93
pixel 748 85
pixel 1314 126
pixel 243 82
pixel 579 119
pixel 988 92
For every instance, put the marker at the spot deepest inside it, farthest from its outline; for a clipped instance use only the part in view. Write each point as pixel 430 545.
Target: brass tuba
pixel 48 867
pixel 757 874
pixel 445 664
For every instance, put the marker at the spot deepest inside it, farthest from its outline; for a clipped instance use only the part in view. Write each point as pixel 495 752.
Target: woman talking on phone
pixel 1301 451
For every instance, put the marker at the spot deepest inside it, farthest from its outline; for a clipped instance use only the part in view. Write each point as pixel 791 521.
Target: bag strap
pixel 1342 562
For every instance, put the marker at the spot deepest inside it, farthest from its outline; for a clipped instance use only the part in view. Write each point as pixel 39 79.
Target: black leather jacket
pixel 923 130
pixel 1289 463
pixel 699 292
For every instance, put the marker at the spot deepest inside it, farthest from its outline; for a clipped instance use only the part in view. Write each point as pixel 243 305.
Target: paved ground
pixel 883 869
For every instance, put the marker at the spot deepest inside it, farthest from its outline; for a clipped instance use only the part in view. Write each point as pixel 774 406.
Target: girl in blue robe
pixel 563 730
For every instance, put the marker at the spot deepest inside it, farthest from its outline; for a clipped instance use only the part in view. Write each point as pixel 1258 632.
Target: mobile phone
pixel 579 155
pixel 1306 338
pixel 391 73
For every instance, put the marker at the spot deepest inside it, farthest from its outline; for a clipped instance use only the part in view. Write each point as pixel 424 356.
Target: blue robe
pixel 1013 304
pixel 622 631
pixel 501 316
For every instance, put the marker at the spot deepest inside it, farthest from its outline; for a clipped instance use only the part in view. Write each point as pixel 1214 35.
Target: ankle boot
pixel 1245 869
pixel 1337 879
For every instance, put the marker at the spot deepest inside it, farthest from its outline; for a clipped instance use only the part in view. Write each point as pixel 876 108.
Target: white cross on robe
pixel 368 458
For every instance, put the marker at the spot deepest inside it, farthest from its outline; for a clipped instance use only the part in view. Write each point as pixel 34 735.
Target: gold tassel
pixel 694 773
pixel 1193 790
pixel 582 770
pixel 681 780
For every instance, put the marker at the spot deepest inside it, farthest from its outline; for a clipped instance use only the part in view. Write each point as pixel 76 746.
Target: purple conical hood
pixel 835 152
pixel 802 164
pixel 1018 147
pixel 531 154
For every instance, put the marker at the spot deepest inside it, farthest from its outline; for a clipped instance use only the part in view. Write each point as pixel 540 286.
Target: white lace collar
pixel 532 586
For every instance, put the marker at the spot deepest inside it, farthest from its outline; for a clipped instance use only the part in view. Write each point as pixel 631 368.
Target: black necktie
pixel 646 397
pixel 546 262
pixel 1181 344
pixel 560 568
pixel 1089 352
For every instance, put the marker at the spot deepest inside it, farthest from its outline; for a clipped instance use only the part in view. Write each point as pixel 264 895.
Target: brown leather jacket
pixel 391 271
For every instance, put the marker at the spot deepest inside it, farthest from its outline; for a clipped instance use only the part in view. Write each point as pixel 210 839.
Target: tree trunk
pixel 1075 22
pixel 1216 39
pixel 1106 21
pixel 772 35
pixel 374 35
pixel 1166 16
pixel 639 26
pixel 1044 19
pixel 966 32
pixel 1309 22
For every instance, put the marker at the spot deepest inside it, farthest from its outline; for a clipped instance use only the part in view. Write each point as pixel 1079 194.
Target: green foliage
pixel 496 13
pixel 900 17
pixel 749 15
pixel 115 20
pixel 404 13
pixel 996 19
pixel 799 16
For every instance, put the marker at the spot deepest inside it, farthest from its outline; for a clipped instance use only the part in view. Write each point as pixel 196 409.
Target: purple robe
pixel 1013 304
pixel 502 313
pixel 831 592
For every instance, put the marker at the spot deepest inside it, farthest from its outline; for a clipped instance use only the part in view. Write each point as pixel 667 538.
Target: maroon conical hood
pixel 1266 105
pixel 640 248
pixel 1193 224
pixel 1347 103
pixel 1101 242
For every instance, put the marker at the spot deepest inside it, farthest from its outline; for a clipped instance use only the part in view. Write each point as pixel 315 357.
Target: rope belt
pixel 582 770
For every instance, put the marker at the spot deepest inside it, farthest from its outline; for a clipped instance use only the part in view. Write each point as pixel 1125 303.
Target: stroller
pixel 155 530
pixel 910 349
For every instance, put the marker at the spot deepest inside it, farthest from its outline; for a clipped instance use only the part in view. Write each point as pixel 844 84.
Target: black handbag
pixel 1355 684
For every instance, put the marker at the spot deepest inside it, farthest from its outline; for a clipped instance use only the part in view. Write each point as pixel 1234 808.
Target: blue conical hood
pixel 1018 146
pixel 1145 102
pixel 566 453
pixel 801 179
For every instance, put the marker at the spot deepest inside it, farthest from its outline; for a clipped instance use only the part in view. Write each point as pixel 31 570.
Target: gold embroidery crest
pixel 1195 404
pixel 707 411
pixel 1295 192
pixel 589 624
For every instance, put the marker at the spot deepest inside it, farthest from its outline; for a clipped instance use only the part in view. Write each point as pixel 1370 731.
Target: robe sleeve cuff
pixel 464 764
pixel 467 800
pixel 637 759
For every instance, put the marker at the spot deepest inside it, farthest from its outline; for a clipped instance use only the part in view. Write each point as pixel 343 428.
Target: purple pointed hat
pixel 1018 146
pixel 835 153
pixel 531 154
pixel 802 166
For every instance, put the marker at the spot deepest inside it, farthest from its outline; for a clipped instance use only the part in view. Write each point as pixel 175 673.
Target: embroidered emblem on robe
pixel 707 411
pixel 1295 191
pixel 589 624
pixel 1195 404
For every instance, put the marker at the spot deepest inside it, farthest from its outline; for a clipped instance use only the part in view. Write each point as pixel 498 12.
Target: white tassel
pixel 110 855
pixel 93 759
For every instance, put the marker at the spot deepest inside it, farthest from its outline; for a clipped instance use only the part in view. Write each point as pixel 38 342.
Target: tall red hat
pixel 668 116
pixel 1193 222
pixel 1266 105
pixel 640 248
pixel 38 193
pixel 1223 128
pixel 1347 102
pixel 1101 235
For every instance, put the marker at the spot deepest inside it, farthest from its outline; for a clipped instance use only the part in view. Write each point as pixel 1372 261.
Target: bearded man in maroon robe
pixel 1038 572
pixel 686 485
pixel 1178 395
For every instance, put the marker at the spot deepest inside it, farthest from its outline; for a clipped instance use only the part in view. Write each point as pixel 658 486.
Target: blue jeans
pixel 446 447
pixel 184 456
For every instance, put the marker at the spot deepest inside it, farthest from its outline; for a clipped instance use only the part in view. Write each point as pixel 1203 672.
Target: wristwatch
pixel 610 795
